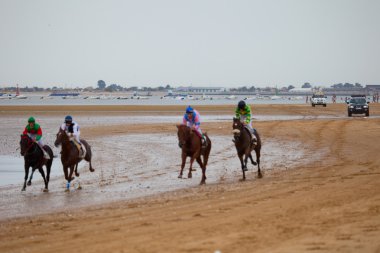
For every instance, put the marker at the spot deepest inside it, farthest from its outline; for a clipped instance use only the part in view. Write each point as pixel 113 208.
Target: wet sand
pixel 319 192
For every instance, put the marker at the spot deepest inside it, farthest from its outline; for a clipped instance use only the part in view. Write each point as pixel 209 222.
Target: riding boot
pixel 46 155
pixel 204 142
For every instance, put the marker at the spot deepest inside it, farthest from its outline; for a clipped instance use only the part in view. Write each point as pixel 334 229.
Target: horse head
pixel 184 133
pixel 61 137
pixel 25 144
pixel 237 128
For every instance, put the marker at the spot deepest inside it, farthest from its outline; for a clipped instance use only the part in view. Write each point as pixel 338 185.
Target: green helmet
pixel 31 120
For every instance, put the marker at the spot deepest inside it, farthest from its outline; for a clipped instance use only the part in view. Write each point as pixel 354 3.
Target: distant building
pixel 200 89
pixel 372 87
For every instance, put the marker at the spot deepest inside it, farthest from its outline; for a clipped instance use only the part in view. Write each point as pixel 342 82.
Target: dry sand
pixel 328 204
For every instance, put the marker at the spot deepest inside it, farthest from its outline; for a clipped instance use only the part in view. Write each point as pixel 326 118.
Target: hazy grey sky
pixel 193 42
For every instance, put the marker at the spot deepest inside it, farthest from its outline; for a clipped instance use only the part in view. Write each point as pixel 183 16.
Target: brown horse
pixel 244 147
pixel 70 155
pixel 34 157
pixel 191 145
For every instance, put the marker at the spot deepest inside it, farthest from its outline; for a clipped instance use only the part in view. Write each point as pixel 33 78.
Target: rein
pixel 29 146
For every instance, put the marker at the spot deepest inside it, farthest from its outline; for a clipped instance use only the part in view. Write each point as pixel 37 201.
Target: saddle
pixel 81 148
pixel 204 142
pixel 252 135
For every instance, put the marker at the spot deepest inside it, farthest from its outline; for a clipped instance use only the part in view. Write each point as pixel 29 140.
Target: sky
pixel 75 43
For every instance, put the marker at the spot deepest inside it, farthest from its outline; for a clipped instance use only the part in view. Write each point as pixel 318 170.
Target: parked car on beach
pixel 318 99
pixel 358 105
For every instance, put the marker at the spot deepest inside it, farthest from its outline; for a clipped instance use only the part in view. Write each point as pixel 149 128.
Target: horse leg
pixel 88 155
pixel 259 175
pixel 76 170
pixel 203 166
pixel 48 169
pixel 30 178
pixel 242 165
pixel 190 175
pixel 252 161
pixel 26 169
pixel 91 168
pixel 183 164
pixel 45 181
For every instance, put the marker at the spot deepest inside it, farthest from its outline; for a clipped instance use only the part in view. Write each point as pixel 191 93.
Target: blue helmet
pixel 189 109
pixel 68 119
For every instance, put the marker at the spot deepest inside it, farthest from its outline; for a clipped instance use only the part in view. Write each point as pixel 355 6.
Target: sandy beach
pixel 319 192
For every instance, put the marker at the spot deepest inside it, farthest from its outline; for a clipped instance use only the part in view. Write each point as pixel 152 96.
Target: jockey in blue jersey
pixel 192 119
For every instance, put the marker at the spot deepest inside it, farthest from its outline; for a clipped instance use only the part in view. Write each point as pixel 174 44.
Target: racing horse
pixel 191 145
pixel 70 155
pixel 244 146
pixel 34 157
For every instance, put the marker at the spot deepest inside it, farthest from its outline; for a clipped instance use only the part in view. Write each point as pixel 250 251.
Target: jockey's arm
pixel 248 118
pixel 237 113
pixel 184 121
pixel 75 130
pixel 39 134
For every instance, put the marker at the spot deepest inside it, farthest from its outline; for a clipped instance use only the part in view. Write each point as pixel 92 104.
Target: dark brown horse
pixel 34 157
pixel 244 146
pixel 70 156
pixel 191 145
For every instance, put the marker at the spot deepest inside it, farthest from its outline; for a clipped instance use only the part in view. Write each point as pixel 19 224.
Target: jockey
pixel 72 129
pixel 34 131
pixel 243 112
pixel 192 119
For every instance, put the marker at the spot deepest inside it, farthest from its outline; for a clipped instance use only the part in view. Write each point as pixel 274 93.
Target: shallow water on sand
pixel 12 170
pixel 137 168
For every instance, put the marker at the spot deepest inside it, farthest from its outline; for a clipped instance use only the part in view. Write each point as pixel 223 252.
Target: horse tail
pixel 88 156
pixel 207 151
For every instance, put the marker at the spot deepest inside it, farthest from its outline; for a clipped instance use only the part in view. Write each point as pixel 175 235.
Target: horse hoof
pixel 180 176
pixel 23 189
pixel 193 169
pixel 189 175
pixel 77 174
pixel 202 182
pixel 92 170
pixel 46 190
pixel 254 163
pixel 29 183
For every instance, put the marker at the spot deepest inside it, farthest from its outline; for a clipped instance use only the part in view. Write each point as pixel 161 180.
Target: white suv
pixel 318 99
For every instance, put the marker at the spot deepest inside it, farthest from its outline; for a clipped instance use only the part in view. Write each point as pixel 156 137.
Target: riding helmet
pixel 31 120
pixel 241 105
pixel 68 119
pixel 189 109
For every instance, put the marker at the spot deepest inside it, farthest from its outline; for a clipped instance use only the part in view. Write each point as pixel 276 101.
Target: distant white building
pixel 201 89
pixel 301 90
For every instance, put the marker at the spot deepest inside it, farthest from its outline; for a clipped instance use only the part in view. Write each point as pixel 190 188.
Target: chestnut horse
pixel 34 157
pixel 191 145
pixel 70 155
pixel 244 147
